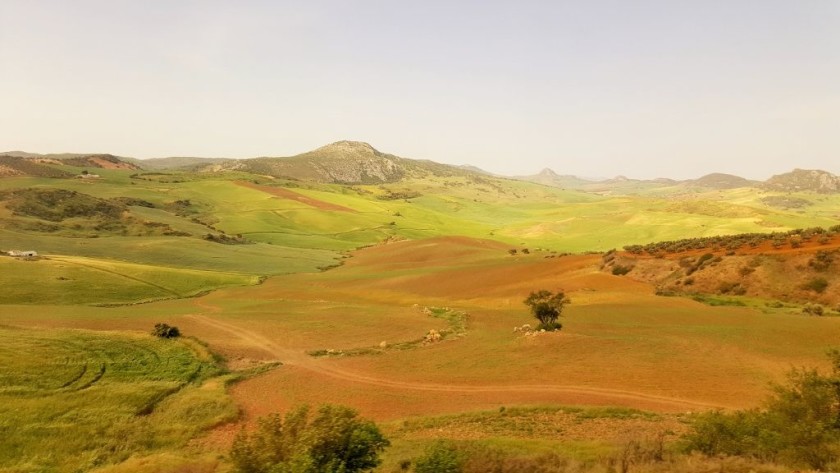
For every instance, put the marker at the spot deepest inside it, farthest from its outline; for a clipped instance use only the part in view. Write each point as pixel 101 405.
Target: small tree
pixel 166 331
pixel 334 441
pixel 547 307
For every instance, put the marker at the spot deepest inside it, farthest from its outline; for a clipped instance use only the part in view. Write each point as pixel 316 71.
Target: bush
pixel 166 331
pixel 441 457
pixel 821 261
pixel 800 425
pixel 813 309
pixel 334 441
pixel 817 285
pixel 619 270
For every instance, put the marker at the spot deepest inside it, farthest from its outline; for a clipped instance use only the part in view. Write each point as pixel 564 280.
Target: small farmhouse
pixel 29 253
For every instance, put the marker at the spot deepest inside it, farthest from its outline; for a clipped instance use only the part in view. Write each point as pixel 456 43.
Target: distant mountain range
pixel 353 162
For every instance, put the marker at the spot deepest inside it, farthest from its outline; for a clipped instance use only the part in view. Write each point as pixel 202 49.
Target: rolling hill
pixel 803 180
pixel 325 274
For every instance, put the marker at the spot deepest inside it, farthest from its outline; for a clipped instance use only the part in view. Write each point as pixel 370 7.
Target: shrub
pixel 166 331
pixel 731 288
pixel 813 309
pixel 441 457
pixel 334 441
pixel 799 425
pixel 620 270
pixel 821 260
pixel 817 285
pixel 547 307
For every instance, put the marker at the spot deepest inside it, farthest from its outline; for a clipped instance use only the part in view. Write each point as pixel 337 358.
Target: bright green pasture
pixel 176 252
pixel 512 211
pixel 289 236
pixel 76 400
pixel 77 280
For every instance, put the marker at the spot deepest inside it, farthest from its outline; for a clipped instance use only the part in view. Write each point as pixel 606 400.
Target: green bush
pixel 336 440
pixel 166 331
pixel 817 285
pixel 441 457
pixel 800 425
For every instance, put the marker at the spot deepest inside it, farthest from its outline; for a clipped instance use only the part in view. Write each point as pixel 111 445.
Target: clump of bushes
pixel 821 260
pixel 162 330
pixel 226 239
pixel 817 285
pixel 56 205
pixel 733 288
pixel 813 309
pixel 734 242
pixel 334 440
pixel 799 426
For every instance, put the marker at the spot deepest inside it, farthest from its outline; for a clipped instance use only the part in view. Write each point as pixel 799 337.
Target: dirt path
pixel 321 366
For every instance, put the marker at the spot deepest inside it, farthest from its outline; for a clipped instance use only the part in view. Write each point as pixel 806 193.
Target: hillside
pixel 799 267
pixel 804 180
pixel 548 177
pixel 176 162
pixel 342 162
pixel 720 181
pixel 19 163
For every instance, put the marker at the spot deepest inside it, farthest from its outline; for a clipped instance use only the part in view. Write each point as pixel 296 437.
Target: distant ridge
pixel 20 163
pixel 804 180
pixel 342 162
pixel 548 177
pixel 721 181
pixel 357 162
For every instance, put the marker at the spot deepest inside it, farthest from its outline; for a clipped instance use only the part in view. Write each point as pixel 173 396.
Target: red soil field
pixel 291 195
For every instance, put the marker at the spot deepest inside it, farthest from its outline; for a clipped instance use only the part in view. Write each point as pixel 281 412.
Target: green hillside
pixel 196 231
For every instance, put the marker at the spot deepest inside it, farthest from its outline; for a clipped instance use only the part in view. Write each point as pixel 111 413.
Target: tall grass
pixel 76 400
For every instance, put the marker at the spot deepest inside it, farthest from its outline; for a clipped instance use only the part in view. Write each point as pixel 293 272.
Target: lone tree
pixel 547 307
pixel 336 440
pixel 166 331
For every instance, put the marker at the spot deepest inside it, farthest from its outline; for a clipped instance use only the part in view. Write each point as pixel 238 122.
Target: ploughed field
pixel 621 345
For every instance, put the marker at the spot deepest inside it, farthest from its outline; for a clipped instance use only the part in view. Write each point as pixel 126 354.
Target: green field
pixel 77 400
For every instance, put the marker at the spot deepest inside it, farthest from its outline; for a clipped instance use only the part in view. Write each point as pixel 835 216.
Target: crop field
pixel 77 280
pixel 76 400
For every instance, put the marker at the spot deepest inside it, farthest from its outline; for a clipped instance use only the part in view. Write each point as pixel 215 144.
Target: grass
pixel 76 400
pixel 77 280
pixel 579 434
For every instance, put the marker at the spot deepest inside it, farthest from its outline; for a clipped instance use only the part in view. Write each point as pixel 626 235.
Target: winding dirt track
pixel 302 360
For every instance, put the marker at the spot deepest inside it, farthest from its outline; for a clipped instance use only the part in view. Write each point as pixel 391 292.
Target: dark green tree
pixel 335 440
pixel 547 307
pixel 166 331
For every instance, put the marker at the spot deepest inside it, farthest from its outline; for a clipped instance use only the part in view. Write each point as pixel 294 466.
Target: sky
pixel 594 88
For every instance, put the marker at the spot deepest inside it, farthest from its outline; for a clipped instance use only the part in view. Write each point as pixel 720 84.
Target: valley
pixel 396 287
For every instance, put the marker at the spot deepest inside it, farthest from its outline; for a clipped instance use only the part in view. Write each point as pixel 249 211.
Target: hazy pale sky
pixel 587 87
